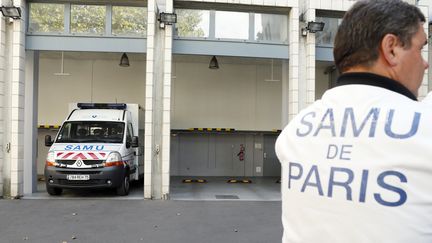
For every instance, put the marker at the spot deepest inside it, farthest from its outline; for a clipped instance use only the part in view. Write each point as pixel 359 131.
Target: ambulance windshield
pixel 91 132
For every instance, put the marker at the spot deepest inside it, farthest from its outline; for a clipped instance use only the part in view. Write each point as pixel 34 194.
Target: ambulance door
pixel 131 152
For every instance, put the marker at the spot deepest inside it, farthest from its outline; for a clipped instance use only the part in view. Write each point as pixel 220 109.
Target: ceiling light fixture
pixel 124 60
pixel 214 63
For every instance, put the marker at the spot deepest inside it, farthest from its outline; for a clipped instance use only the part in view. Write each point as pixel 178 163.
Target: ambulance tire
pixel 123 189
pixel 54 191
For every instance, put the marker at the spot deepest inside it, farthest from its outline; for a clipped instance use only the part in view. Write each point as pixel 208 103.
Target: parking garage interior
pixel 224 121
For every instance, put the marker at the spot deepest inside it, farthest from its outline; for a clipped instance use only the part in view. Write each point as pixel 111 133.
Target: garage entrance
pixel 72 77
pixel 224 126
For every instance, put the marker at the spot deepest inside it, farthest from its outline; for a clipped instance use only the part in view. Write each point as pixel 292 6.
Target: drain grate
pixel 227 197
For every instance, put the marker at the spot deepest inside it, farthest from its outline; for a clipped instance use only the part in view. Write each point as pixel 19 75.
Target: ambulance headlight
pixel 50 160
pixel 114 159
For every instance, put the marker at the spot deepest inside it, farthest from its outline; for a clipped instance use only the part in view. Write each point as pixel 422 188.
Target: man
pixel 357 164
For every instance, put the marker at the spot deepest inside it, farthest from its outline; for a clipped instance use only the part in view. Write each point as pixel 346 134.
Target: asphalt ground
pixel 150 221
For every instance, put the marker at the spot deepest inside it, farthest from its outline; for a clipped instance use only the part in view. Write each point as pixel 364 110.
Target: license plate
pixel 78 177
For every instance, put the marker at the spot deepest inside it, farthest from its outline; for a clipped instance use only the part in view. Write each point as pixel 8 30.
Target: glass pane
pixel 327 36
pixel 192 23
pixel 88 19
pixel 46 18
pixel 232 25
pixel 129 21
pixel 271 27
pixel 91 132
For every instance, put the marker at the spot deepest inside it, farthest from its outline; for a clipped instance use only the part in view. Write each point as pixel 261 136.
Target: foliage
pixel 129 20
pixel 46 18
pixel 188 23
pixel 89 19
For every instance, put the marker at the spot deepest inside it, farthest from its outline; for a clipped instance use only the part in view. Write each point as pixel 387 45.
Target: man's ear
pixel 389 49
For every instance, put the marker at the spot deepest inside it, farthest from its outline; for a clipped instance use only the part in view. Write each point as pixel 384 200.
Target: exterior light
pixel 313 27
pixel 124 61
pixel 11 12
pixel 214 63
pixel 167 19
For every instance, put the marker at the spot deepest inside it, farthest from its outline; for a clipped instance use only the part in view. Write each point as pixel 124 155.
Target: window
pixel 88 19
pixel 271 27
pixel 327 36
pixel 192 23
pixel 232 25
pixel 88 131
pixel 129 21
pixel 46 18
pixel 129 133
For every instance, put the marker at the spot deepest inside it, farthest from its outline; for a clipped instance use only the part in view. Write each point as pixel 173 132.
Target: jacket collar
pixel 374 80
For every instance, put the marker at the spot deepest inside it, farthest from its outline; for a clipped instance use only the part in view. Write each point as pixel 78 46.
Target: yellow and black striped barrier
pixel 194 181
pixel 239 181
pixel 49 126
pixel 212 129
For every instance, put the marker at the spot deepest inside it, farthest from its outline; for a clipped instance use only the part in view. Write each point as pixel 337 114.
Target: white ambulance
pixel 98 146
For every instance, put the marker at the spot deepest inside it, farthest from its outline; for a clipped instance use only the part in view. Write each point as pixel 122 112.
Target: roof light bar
pixel 115 106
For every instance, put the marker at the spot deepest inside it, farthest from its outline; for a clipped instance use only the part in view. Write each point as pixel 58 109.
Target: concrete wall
pixel 12 79
pixel 321 82
pixel 216 154
pixel 234 96
pixel 90 80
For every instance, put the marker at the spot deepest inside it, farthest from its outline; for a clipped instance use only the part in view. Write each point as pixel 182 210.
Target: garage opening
pixel 224 125
pixel 89 77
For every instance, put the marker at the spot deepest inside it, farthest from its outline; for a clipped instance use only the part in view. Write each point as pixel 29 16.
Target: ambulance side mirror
pixel 135 142
pixel 48 140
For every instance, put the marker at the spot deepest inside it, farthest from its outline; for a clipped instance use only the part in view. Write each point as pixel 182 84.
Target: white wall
pixel 234 96
pixel 321 82
pixel 91 80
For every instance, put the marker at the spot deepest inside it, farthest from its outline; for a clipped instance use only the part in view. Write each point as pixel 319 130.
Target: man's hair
pixel 364 26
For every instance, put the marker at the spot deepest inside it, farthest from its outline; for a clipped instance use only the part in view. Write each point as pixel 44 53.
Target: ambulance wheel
pixel 123 189
pixel 54 191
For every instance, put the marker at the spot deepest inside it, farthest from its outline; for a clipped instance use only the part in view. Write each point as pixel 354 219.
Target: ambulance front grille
pixel 79 171
pixel 86 162
pixel 81 183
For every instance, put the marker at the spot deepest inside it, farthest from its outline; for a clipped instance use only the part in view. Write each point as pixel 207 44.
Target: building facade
pixel 60 52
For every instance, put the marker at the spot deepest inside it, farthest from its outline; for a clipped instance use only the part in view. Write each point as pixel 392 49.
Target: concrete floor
pixel 215 189
pixel 136 193
pixel 150 221
pixel 193 214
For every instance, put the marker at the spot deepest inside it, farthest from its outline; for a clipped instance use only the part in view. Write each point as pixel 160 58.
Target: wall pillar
pixel 3 77
pixel 310 60
pixel 166 103
pixel 158 96
pixel 30 121
pixel 425 86
pixel 148 141
pixel 12 103
pixel 293 66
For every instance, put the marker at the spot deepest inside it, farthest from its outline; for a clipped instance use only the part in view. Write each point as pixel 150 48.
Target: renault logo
pixel 79 162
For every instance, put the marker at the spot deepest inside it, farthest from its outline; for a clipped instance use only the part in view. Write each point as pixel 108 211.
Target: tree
pixel 129 20
pixel 46 18
pixel 188 23
pixel 87 19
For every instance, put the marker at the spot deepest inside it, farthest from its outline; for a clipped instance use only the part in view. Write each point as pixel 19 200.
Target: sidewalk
pixel 116 221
